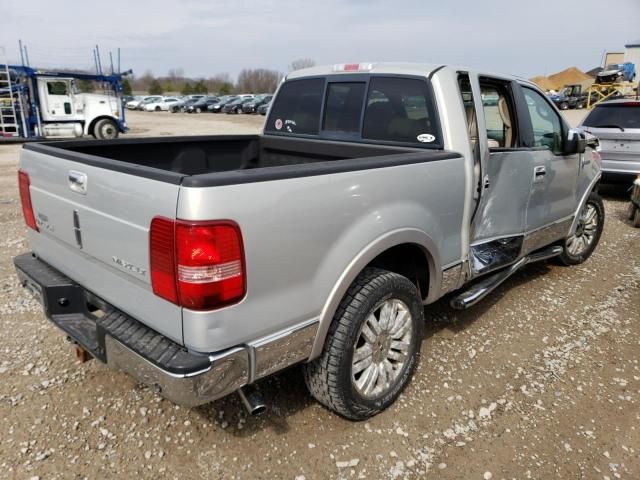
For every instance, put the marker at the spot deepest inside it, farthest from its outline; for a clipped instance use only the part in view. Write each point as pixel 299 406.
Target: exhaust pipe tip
pixel 252 400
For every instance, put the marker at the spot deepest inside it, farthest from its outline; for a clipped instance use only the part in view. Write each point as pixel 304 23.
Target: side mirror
pixel 575 143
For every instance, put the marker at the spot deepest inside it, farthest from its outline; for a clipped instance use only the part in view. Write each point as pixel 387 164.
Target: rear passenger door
pixel 553 193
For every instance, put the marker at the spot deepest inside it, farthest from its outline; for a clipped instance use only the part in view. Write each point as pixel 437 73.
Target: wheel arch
pixel 593 187
pixel 393 251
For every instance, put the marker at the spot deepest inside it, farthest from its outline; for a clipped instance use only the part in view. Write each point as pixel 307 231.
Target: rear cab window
pixel 297 108
pixel 370 109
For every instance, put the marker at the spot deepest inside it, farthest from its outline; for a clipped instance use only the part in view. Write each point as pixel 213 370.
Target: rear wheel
pixel 579 246
pixel 158 109
pixel 372 347
pixel 198 110
pixel 564 106
pixel 105 129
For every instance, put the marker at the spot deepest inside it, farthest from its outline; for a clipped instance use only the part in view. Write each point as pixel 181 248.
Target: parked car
pixel 256 102
pixel 126 99
pixel 616 123
pixel 236 105
pixel 616 72
pixel 133 104
pixel 264 108
pixel 147 100
pixel 185 101
pixel 201 105
pixel 217 107
pixel 571 96
pixel 319 241
pixel 162 105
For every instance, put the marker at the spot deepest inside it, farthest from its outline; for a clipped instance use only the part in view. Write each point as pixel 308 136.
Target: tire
pixel 578 247
pixel 158 109
pixel 564 106
pixel 331 378
pixel 636 218
pixel 105 129
pixel 631 211
pixel 198 110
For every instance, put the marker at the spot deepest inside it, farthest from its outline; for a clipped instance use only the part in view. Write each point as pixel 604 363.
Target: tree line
pixel 250 80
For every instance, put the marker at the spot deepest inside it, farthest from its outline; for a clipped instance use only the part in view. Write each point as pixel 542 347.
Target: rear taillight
pixel 25 199
pixel 197 265
pixel 162 258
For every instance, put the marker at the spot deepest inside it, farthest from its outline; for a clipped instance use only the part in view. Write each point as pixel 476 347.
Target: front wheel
pixel 564 106
pixel 105 129
pixel 579 246
pixel 372 347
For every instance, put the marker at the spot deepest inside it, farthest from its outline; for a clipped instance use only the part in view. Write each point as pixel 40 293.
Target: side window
pixel 547 127
pixel 343 107
pixel 57 88
pixel 498 116
pixel 297 108
pixel 399 110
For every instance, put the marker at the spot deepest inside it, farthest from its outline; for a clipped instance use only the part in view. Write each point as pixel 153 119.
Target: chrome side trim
pixel 546 235
pixel 450 279
pixel 228 372
pixel 276 352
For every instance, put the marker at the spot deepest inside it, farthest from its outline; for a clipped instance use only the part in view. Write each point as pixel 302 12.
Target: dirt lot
pixel 541 380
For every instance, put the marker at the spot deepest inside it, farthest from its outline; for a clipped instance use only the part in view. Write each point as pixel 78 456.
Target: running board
pixel 485 286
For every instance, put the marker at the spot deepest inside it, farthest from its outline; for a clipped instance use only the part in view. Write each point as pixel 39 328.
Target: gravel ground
pixel 541 380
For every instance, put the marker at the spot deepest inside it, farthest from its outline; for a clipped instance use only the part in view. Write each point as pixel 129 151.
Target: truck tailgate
pixel 99 237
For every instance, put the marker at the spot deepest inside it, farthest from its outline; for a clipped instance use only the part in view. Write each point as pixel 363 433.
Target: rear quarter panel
pixel 301 234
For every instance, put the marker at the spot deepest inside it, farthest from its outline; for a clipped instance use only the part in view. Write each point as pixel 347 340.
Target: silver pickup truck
pixel 200 265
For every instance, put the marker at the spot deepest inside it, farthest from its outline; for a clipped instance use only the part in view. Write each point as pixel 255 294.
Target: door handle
pixel 538 174
pixel 78 182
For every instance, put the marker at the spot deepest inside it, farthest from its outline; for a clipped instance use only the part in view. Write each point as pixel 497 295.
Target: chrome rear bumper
pixel 125 344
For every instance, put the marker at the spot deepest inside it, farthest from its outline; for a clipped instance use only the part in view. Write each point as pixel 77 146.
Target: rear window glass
pixel 399 110
pixel 297 109
pixel 344 107
pixel 614 115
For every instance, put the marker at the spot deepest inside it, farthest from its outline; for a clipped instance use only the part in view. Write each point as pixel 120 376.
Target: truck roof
pixel 397 68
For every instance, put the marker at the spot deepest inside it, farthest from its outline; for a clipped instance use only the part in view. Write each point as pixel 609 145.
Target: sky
pixel 206 37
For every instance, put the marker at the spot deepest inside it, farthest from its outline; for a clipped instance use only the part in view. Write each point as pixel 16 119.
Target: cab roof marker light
pixel 353 67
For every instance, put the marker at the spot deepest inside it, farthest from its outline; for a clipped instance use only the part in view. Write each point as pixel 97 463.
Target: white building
pixel 632 54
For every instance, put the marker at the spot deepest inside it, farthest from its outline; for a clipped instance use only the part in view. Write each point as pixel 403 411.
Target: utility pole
pixel 111 58
pixel 99 63
pixel 95 60
pixel 26 56
pixel 21 52
pixel 119 70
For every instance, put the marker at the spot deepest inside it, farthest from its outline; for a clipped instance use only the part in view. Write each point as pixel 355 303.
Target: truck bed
pixel 230 159
pixel 304 206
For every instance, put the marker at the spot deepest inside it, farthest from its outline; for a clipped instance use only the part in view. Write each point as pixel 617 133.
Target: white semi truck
pixel 47 104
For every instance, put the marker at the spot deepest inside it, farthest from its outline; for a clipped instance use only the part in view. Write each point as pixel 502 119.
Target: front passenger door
pixel 499 223
pixel 553 193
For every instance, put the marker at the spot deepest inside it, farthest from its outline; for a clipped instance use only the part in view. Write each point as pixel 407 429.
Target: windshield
pixel 615 115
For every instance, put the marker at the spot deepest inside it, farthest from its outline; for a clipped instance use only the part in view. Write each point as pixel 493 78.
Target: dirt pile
pixel 543 82
pixel 569 76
